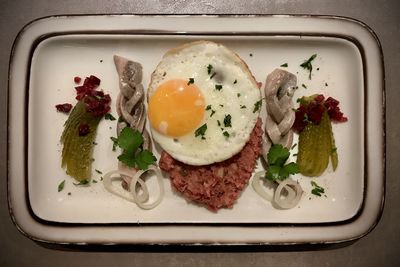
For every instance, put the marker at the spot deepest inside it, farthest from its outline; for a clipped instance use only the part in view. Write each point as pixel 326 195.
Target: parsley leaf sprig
pixel 133 155
pixel 278 170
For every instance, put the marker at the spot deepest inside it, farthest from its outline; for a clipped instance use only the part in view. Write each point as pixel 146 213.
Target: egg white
pixel 237 98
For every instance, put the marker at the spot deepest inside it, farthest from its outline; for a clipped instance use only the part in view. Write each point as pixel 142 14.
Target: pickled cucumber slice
pixel 316 145
pixel 77 150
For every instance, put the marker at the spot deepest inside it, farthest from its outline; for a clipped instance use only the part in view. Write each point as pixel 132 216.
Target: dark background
pixel 379 248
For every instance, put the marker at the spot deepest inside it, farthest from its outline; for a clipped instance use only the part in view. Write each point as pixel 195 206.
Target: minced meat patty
pixel 217 185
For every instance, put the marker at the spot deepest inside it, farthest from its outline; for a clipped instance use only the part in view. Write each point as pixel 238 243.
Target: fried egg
pixel 203 103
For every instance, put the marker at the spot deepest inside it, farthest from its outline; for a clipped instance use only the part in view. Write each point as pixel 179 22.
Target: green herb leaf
pixel 212 75
pixel 238 94
pixel 94 181
pixel 212 113
pixel 291 168
pixel 209 68
pixel 285 65
pixel 242 106
pixel 61 186
pixel 130 139
pixel 307 65
pixel 227 121
pixel 218 87
pixel 277 155
pixel 257 106
pixel 219 123
pixel 201 131
pixel 235 82
pixel 191 80
pixel 109 116
pixel 226 134
pixel 273 172
pixel 99 172
pixel 208 107
pixel 304 86
pixel 317 190
pixel 115 142
pixel 144 159
pixel 277 170
pixel 128 159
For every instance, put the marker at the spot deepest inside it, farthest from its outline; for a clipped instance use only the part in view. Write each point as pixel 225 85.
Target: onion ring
pixel 136 179
pixel 133 195
pixel 293 189
pixel 258 188
pixel 294 194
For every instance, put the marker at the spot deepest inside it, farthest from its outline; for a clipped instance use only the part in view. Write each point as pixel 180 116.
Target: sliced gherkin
pixel 316 146
pixel 77 150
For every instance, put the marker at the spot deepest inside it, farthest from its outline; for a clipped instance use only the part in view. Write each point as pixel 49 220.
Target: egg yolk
pixel 176 108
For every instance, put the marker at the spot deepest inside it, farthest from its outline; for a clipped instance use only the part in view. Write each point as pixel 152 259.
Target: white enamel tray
pixel 49 52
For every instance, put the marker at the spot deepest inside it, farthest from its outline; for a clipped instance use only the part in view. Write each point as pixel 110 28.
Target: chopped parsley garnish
pixel 285 65
pixel 61 186
pixel 326 84
pixel 226 134
pixel 94 181
pixel 219 123
pixel 293 146
pixel 99 172
pixel 238 94
pixel 235 82
pixel 278 170
pixel 212 111
pixel 303 85
pixel 83 182
pixel 221 105
pixel 242 106
pixel 109 116
pixel 201 131
pixel 191 80
pixel 317 190
pixel 212 75
pixel 115 142
pixel 307 65
pixel 227 121
pixel 209 68
pixel 257 106
pixel 133 154
pixel 218 87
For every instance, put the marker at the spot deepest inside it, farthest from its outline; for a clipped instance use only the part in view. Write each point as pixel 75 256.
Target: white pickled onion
pixel 256 183
pixel 293 191
pixel 136 179
pixel 133 195
pixel 293 197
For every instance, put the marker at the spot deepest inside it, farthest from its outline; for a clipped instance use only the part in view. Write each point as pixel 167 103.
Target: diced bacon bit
pixel 312 112
pixel 96 101
pixel 65 108
pixel 77 79
pixel 83 129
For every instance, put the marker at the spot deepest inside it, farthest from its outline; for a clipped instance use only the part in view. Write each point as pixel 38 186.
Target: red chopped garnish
pixel 77 79
pixel 83 129
pixel 65 108
pixel 310 111
pixel 96 102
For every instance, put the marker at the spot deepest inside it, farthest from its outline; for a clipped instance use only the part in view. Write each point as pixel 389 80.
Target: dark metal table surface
pixel 379 248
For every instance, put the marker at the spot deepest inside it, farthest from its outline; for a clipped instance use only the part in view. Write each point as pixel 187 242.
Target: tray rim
pixel 49 19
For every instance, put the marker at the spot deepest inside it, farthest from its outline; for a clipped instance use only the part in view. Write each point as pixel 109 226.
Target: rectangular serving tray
pixel 49 52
